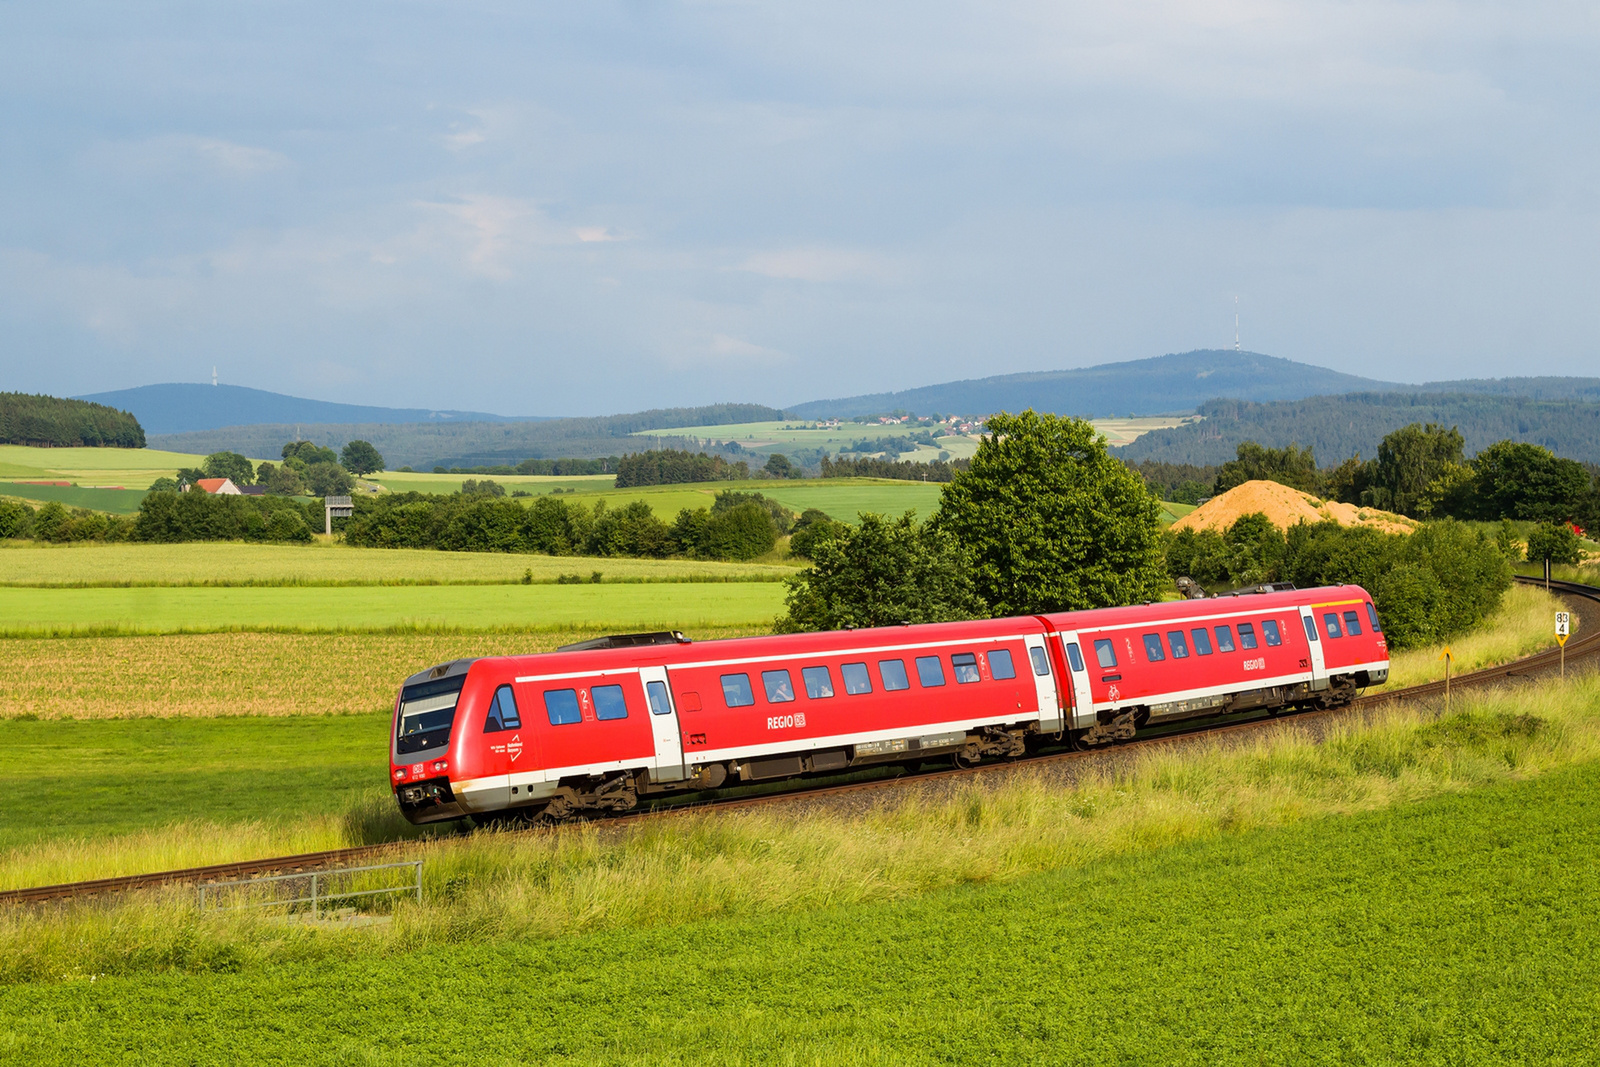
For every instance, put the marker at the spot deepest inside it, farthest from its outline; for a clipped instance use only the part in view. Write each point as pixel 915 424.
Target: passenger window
pixel 893 673
pixel 1041 665
pixel 1352 624
pixel 1104 654
pixel 1000 665
pixel 1247 635
pixel 930 672
pixel 966 667
pixel 1269 627
pixel 1311 628
pixel 502 712
pixel 1074 657
pixel 736 691
pixel 1180 647
pixel 1372 617
pixel 819 683
pixel 609 702
pixel 1331 621
pixel 1152 648
pixel 562 706
pixel 1224 638
pixel 780 690
pixel 659 704
pixel 856 678
pixel 1202 641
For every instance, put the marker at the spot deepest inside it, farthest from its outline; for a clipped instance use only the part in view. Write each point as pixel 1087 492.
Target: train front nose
pixel 424 792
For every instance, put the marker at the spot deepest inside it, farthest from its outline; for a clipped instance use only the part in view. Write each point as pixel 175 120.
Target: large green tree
pixel 1410 460
pixel 1291 465
pixel 231 465
pixel 1518 480
pixel 360 457
pixel 882 572
pixel 1052 522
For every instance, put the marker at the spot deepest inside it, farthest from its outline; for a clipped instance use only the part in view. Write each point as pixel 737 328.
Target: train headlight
pixel 399 774
pixel 441 765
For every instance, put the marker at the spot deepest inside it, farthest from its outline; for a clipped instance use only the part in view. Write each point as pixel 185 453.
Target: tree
pixel 164 485
pixel 190 475
pixel 359 457
pixel 15 518
pixel 1555 542
pixel 778 466
pixel 328 479
pixel 487 487
pixel 813 526
pixel 1516 480
pixel 743 531
pixel 881 573
pixel 281 481
pixel 231 465
pixel 1409 460
pixel 309 453
pixel 1051 521
pixel 782 517
pixel 1291 465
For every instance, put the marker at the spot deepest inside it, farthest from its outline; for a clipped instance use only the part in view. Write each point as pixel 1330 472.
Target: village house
pixel 220 486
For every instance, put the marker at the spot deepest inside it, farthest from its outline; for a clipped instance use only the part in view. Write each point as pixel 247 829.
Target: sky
pixel 563 209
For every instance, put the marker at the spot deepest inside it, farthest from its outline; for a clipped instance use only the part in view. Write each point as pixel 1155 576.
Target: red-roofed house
pixel 223 486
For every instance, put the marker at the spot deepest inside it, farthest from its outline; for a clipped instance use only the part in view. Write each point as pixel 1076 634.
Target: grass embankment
pixel 257 674
pixel 996 829
pixel 1460 930
pixel 321 609
pixel 1523 624
pixel 34 563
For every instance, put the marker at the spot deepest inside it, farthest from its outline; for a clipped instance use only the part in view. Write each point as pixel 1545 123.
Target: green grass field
pixel 842 498
pixel 158 609
pixel 538 485
pixel 1458 930
pixel 113 501
pixel 330 563
pixel 92 470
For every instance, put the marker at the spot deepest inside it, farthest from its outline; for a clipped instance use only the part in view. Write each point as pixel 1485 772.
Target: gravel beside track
pixel 1060 766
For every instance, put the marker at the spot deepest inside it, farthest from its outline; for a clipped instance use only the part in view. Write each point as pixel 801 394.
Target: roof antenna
pixel 1236 322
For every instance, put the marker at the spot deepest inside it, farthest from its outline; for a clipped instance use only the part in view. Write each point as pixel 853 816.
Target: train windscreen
pixel 427 711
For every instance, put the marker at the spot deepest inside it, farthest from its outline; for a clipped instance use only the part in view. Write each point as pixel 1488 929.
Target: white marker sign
pixel 1563 628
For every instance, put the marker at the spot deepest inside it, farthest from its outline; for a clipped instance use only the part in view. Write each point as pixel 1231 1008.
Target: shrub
pixel 1556 542
pixel 744 531
pixel 16 518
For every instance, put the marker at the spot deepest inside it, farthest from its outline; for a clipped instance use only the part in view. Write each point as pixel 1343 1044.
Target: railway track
pixel 1584 646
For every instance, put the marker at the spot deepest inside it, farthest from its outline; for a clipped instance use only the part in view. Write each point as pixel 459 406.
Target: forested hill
pixel 1162 385
pixel 1337 427
pixel 178 407
pixel 55 422
pixel 471 444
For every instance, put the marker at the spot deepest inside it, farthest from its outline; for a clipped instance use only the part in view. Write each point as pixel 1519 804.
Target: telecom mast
pixel 213 374
pixel 1236 324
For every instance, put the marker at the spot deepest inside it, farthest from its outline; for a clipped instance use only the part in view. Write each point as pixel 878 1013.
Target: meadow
pixel 841 498
pixel 29 611
pixel 1413 888
pixel 536 484
pixel 34 563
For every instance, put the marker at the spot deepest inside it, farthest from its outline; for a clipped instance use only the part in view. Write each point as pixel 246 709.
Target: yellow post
pixel 1448 659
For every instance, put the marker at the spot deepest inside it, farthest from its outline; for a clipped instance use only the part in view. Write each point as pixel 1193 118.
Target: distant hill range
pixel 183 408
pixel 1166 385
pixel 425 445
pixel 1338 427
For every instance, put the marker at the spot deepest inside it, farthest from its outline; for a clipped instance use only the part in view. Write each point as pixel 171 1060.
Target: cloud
pixel 726 347
pixel 822 264
pixel 176 153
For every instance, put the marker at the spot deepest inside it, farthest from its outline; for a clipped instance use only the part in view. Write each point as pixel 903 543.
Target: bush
pixel 1556 542
pixel 814 526
pixel 16 518
pixel 742 532
pixel 328 479
pixel 196 516
pixel 286 525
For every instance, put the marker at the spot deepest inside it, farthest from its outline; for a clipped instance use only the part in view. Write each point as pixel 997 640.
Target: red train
pixel 598 725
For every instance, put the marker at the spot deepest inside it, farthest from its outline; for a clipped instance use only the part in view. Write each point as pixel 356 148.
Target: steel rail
pixel 1585 645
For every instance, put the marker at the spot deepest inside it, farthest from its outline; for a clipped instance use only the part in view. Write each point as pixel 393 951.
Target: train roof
pixel 1225 604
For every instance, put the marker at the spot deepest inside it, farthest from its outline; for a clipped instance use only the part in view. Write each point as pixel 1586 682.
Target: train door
pixel 1044 685
pixel 1077 670
pixel 1319 666
pixel 664 725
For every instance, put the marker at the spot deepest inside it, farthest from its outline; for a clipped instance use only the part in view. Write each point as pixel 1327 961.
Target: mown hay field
pixel 324 563
pixel 250 673
pixel 26 611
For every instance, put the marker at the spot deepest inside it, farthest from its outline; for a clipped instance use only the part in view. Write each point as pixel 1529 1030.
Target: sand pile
pixel 1285 507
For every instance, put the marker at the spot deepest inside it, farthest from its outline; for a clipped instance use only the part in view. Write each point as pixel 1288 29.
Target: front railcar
pixel 424 744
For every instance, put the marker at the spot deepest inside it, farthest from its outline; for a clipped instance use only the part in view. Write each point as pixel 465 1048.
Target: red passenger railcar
pixel 597 726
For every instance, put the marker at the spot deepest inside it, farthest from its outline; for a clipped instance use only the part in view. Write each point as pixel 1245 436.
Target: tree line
pixel 671 466
pixel 938 470
pixel 169 517
pixel 56 422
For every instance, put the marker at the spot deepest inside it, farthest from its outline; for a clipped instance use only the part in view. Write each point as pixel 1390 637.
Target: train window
pixel 819 683
pixel 930 671
pixel 1330 620
pixel 609 703
pixel 1247 635
pixel 1269 627
pixel 966 667
pixel 780 690
pixel 1000 665
pixel 562 706
pixel 1202 641
pixel 1105 654
pixel 1074 656
pixel 1311 628
pixel 502 712
pixel 1372 617
pixel 736 691
pixel 1180 647
pixel 1352 624
pixel 427 711
pixel 1224 638
pixel 1041 665
pixel 893 673
pixel 657 692
pixel 856 679
pixel 1152 648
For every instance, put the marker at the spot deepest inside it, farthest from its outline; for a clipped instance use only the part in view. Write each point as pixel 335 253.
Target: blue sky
pixel 588 208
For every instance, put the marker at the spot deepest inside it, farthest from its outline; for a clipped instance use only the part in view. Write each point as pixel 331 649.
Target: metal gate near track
pixel 313 888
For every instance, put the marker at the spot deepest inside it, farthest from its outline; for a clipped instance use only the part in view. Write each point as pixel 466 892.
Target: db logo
pixel 514 746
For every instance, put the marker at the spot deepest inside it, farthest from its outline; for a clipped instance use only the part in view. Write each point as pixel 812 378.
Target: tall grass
pixel 1523 624
pixel 489 886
